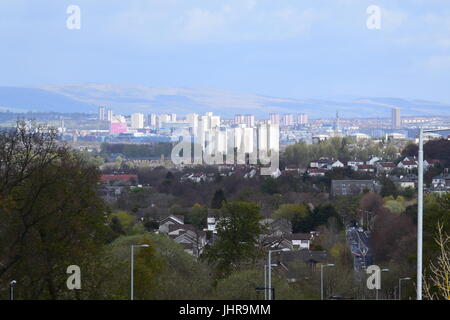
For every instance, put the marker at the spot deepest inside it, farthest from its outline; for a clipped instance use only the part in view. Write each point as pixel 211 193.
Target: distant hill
pixel 134 98
pixel 34 99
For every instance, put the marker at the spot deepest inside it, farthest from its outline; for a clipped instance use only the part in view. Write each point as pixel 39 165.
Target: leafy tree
pixel 197 216
pixel 322 214
pixel 269 186
pixel 240 285
pixel 388 188
pixel 297 214
pixel 237 237
pixel 52 216
pixel 218 199
pixel 126 221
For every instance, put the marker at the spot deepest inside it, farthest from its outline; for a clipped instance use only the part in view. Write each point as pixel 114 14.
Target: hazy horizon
pixel 313 49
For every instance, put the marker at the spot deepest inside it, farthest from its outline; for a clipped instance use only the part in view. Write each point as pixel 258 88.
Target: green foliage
pixel 238 232
pixel 297 213
pixel 197 216
pixel 51 215
pixel 388 188
pixel 137 150
pixel 241 285
pixel 218 199
pixel 125 220
pixel 396 206
pixel 164 271
pixel 436 211
pixel 269 185
pixel 338 148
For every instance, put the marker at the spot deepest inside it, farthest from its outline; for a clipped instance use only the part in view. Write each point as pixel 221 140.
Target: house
pixel 327 164
pixel 276 243
pixel 337 164
pixel 322 163
pixel 119 178
pixel 407 165
pixel 300 241
pixel 192 239
pixel 373 160
pixel 276 173
pixel 110 193
pixel 351 187
pixel 408 181
pixel 366 168
pixel 311 258
pixel 385 167
pixel 276 227
pixel 295 169
pixel 315 172
pixel 441 181
pixel 170 220
pixel 354 163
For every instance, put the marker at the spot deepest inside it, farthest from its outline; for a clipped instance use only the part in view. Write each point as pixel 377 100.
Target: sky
pixel 280 48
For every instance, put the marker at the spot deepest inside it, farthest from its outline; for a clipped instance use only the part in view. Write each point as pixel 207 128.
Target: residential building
pixel 137 121
pixel 274 118
pixel 101 114
pixel 395 118
pixel 352 187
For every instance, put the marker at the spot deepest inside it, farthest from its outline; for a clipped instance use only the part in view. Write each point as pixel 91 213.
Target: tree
pixel 48 220
pixel 197 216
pixel 322 214
pixel 237 237
pixel 437 284
pixel 297 214
pixel 218 199
pixel 388 188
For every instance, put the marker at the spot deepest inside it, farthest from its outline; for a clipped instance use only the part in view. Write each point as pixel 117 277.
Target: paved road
pixel 359 245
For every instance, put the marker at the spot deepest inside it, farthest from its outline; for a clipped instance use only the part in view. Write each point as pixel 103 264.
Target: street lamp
pixel 132 266
pixel 420 211
pixel 321 277
pixel 382 270
pixel 400 287
pixel 12 284
pixel 269 271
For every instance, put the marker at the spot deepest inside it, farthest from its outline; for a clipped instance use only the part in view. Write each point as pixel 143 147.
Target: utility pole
pixel 419 218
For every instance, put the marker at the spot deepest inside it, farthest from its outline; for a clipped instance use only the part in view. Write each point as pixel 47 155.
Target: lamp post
pixel 400 287
pixel 382 270
pixel 420 212
pixel 132 266
pixel 265 282
pixel 269 271
pixel 321 277
pixel 12 284
pixel 269 275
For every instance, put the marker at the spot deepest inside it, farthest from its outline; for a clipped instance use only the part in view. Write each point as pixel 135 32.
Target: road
pixel 358 241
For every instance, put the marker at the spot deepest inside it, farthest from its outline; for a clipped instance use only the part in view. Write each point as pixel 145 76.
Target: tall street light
pixel 400 287
pixel 12 284
pixel 269 271
pixel 132 266
pixel 382 270
pixel 420 212
pixel 321 277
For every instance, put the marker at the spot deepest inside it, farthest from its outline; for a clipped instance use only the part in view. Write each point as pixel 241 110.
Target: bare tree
pixel 437 284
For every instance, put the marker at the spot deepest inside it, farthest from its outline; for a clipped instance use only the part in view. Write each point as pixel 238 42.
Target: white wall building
pixel 137 121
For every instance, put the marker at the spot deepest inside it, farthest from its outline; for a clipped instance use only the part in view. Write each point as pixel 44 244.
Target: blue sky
pixel 285 48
